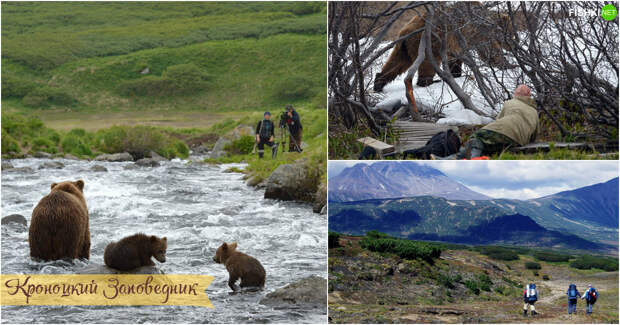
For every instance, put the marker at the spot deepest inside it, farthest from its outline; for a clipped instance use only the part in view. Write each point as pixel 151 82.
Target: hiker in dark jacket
pixel 530 296
pixel 294 126
pixel 264 134
pixel 590 296
pixel 516 125
pixel 573 295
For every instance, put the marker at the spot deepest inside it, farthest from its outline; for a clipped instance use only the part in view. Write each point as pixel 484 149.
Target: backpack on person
pixel 532 294
pixel 572 292
pixel 442 144
pixel 592 295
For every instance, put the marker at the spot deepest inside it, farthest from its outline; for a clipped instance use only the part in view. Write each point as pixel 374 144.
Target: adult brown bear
pixel 479 34
pixel 59 224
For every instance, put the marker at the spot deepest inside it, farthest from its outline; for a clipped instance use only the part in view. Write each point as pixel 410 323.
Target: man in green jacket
pixel 516 125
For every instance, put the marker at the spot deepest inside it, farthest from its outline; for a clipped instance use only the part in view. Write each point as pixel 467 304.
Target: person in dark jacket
pixel 264 134
pixel 573 296
pixel 295 129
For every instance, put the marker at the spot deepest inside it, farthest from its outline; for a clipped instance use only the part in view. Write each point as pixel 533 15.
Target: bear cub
pixel 135 251
pixel 240 266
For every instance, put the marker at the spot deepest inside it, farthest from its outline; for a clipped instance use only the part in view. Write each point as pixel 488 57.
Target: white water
pixel 197 207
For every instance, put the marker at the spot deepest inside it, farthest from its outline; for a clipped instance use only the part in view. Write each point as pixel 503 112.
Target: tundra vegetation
pixel 93 78
pixel 463 283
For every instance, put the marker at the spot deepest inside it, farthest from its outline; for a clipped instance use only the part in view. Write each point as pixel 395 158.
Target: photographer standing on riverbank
pixel 291 118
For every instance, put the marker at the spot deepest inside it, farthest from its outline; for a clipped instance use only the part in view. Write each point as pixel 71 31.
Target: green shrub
pixel 74 145
pixel 445 280
pixel 404 248
pixel 377 234
pixel 145 86
pixel 551 256
pixel 333 239
pixel 16 87
pixel 43 144
pixel 484 282
pixel 186 78
pixel 9 144
pixel 532 266
pixel 586 262
pixel 241 146
pixel 472 286
pixel 294 88
pixel 179 79
pixel 499 253
pixel 47 96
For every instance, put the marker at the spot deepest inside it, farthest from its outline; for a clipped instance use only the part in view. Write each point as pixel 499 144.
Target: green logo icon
pixel 609 12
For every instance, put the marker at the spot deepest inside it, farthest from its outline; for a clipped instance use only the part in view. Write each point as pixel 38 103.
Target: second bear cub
pixel 135 251
pixel 240 266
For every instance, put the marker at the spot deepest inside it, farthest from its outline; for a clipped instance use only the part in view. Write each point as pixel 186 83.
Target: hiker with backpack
pixel 573 295
pixel 264 135
pixel 516 125
pixel 590 296
pixel 530 296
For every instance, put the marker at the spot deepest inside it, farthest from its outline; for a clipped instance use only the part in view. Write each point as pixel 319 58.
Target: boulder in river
pixel 308 291
pixel 41 154
pixel 94 268
pixel 147 162
pixel 293 182
pixel 156 157
pixel 14 218
pixel 71 157
pixel 241 130
pixel 98 168
pixel 320 198
pixel 254 180
pixel 7 165
pixel 218 148
pixel 25 170
pixel 115 157
pixel 131 166
pixel 52 165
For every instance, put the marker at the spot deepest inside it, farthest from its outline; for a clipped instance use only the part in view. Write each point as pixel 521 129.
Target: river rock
pixel 290 182
pixel 156 157
pixel 71 157
pixel 320 198
pixel 200 150
pixel 131 166
pixel 147 162
pixel 308 291
pixel 218 148
pixel 14 218
pixel 52 165
pixel 254 180
pixel 41 154
pixel 94 268
pixel 241 130
pixel 25 170
pixel 98 168
pixel 7 165
pixel 115 157
pixel 324 210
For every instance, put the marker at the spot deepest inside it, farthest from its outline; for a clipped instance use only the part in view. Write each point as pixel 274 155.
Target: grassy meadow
pixel 169 73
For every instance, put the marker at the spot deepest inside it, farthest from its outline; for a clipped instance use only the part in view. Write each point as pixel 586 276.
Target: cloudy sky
pixel 516 179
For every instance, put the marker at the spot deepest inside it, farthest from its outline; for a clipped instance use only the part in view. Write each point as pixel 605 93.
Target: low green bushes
pixel 551 256
pixel 587 262
pixel 46 96
pixel 241 146
pixel 181 79
pixel 499 253
pixel 404 248
pixel 333 239
pixel 532 266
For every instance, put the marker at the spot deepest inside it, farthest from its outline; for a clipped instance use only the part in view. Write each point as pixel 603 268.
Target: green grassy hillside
pixel 199 56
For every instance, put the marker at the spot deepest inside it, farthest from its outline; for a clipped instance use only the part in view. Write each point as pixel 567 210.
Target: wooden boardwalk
pixel 413 135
